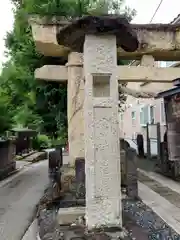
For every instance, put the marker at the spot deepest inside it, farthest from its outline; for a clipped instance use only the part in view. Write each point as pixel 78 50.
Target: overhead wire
pixel 156 11
pixel 159 5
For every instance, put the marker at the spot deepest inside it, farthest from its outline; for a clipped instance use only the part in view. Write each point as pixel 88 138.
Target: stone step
pixel 36 157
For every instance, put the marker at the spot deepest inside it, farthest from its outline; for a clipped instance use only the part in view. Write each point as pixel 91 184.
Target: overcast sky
pixel 6 23
pixel 145 10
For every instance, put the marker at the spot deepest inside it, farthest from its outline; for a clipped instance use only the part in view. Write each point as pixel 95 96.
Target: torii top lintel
pixel 53 35
pixel 73 34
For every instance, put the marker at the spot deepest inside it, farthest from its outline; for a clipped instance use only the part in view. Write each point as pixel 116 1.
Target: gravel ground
pixel 140 221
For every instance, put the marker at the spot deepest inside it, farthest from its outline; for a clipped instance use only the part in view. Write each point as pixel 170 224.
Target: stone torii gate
pixel 94 89
pixel 156 42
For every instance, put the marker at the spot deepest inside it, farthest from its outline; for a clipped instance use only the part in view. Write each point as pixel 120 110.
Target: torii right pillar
pixel 102 152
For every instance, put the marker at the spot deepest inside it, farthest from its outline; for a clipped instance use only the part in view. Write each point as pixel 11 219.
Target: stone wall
pixel 7 159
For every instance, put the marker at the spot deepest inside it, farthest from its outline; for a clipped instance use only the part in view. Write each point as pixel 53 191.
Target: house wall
pixel 130 127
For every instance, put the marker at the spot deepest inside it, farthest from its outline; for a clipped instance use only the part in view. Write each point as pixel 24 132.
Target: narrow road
pixel 19 196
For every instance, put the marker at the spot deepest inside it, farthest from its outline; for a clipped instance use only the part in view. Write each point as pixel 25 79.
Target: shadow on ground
pixel 146 164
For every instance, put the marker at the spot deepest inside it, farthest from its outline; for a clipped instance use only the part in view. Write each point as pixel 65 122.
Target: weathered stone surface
pixel 75 106
pixel 68 179
pixel 132 178
pixel 70 215
pixel 52 73
pixel 143 74
pixel 102 152
pixel 147 74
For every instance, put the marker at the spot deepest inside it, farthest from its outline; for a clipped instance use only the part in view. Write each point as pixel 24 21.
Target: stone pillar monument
pixel 98 38
pixel 102 153
pixel 75 106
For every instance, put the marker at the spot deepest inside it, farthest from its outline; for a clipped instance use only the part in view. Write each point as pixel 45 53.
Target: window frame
pixel 162 111
pixel 149 114
pixel 133 118
pixel 142 112
pixel 149 118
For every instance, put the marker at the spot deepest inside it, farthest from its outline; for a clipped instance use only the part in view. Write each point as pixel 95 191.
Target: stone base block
pixel 70 215
pixel 4 172
pixel 131 177
pixel 67 179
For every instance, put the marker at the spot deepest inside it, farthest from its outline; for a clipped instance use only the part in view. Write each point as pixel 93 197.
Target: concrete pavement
pixel 32 232
pixel 19 196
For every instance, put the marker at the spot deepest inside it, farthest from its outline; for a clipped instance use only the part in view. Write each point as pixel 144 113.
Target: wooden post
pixel 148 143
pixel 131 173
pixel 159 143
pixel 80 178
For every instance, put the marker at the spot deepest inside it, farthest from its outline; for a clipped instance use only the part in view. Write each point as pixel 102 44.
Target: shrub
pixel 41 142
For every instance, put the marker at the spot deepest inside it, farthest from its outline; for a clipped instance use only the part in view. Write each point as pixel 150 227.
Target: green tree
pixel 39 104
pixel 6 116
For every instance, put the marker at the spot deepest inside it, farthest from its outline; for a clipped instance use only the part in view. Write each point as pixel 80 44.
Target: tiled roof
pixel 168 93
pixel 176 19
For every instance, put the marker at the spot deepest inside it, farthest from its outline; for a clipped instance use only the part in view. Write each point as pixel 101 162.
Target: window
pixel 165 63
pixel 162 110
pixel 147 115
pixel 161 64
pixel 144 115
pixel 133 116
pixel 141 117
pixel 170 63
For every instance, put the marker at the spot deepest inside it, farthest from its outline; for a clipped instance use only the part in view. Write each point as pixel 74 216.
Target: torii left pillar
pixel 73 74
pixel 75 106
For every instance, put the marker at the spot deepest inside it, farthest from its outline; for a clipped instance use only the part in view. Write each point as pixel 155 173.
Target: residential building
pixel 138 112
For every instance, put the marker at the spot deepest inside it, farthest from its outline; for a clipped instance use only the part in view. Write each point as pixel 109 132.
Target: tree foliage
pixel 35 104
